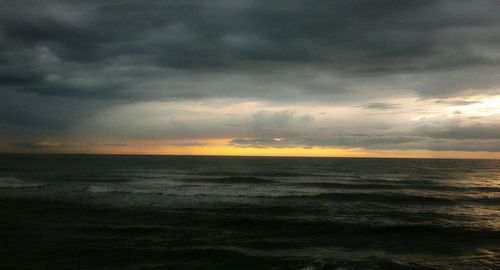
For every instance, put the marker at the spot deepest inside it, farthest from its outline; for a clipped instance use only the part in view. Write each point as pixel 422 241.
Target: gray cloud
pixel 35 145
pixel 375 142
pixel 456 102
pixel 272 119
pixel 186 144
pixel 108 144
pixel 380 106
pixel 448 134
pixel 63 63
pixel 456 130
pixel 368 38
pixel 381 141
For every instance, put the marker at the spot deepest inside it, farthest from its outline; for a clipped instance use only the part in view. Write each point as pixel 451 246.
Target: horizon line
pixel 241 156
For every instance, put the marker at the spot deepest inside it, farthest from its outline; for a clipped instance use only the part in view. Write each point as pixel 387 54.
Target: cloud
pixel 380 106
pixel 35 145
pixel 186 144
pixel 90 69
pixel 457 102
pixel 453 133
pixel 374 142
pixel 270 119
pixel 379 141
pixel 108 144
pixel 283 123
pixel 358 38
pixel 460 129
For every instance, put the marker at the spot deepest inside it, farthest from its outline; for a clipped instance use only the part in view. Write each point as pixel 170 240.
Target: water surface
pixel 168 212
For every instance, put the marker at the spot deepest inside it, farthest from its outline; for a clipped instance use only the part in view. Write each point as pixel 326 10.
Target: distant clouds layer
pixel 397 75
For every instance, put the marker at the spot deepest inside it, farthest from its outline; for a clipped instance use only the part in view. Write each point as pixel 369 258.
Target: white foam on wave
pixel 201 191
pixel 12 182
pixel 216 191
pixel 116 189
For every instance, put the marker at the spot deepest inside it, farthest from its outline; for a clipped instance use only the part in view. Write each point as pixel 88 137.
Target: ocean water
pixel 172 212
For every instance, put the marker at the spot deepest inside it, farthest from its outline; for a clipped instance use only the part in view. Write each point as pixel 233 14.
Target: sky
pixel 377 78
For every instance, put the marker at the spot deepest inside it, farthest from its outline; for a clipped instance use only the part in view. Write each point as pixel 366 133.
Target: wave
pixel 12 182
pixel 485 189
pixel 230 180
pixel 400 198
pixel 259 174
pixel 396 186
pixel 101 189
pixel 87 178
pixel 388 198
pixel 104 189
pixel 320 259
pixel 304 230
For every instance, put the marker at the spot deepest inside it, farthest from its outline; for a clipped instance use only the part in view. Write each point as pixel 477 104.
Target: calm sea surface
pixel 165 212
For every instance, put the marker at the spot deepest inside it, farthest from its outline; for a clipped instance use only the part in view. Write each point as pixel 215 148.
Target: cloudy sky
pixel 312 78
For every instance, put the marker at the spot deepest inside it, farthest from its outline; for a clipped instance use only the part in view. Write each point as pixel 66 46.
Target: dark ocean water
pixel 164 212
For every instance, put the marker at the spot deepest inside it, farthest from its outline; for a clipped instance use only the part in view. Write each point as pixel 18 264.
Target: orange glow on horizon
pixel 222 148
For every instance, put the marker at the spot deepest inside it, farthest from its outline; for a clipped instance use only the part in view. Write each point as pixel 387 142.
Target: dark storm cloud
pixel 64 62
pixel 25 112
pixel 354 37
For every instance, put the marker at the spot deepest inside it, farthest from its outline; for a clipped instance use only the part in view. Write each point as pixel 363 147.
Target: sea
pixel 206 212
